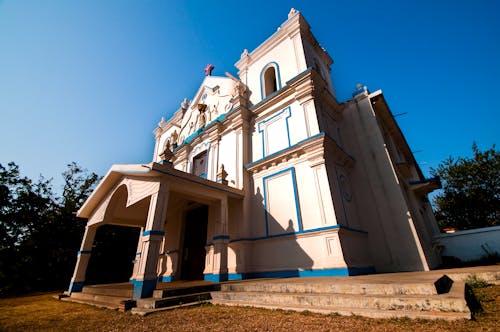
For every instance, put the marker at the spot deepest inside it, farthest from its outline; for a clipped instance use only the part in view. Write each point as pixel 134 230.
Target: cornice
pixel 315 148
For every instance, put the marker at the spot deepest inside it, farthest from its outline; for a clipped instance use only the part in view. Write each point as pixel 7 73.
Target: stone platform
pixel 438 294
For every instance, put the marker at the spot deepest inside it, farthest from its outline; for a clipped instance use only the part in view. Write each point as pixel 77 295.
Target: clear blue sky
pixel 88 81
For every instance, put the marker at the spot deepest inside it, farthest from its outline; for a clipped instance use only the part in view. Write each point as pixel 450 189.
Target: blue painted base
pixel 166 279
pixel 75 286
pixel 216 277
pixel 335 272
pixel 143 288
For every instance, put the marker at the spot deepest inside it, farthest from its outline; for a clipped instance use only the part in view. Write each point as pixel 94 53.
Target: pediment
pixel 212 99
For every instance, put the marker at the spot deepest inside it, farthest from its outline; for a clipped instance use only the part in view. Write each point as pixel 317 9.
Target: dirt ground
pixel 44 313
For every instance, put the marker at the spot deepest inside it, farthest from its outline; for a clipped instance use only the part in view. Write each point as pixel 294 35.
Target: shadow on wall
pixel 277 254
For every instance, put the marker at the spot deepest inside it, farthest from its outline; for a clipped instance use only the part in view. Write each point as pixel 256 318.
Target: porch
pixel 183 222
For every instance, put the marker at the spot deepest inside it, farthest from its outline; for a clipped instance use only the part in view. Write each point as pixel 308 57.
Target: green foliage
pixel 471 190
pixel 475 282
pixel 39 233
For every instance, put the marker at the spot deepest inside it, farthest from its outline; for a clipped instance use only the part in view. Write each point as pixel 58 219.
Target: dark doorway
pixel 195 239
pixel 112 255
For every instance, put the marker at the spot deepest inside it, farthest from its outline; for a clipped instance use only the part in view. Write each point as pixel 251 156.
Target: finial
pixel 185 104
pixel 222 175
pixel 167 154
pixel 244 54
pixel 292 12
pixel 208 69
pixel 162 122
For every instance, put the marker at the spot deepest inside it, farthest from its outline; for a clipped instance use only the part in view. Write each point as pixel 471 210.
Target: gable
pixel 211 101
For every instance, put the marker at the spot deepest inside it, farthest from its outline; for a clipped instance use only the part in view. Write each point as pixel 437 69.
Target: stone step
pixel 384 302
pixel 145 312
pixel 112 300
pixel 101 301
pixel 93 303
pixel 169 292
pixel 120 290
pixel 428 288
pixel 348 311
pixel 153 303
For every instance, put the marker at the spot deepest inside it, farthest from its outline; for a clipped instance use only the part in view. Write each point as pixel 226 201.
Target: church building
pixel 267 175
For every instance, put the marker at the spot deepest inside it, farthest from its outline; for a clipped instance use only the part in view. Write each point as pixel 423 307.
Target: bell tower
pixel 290 51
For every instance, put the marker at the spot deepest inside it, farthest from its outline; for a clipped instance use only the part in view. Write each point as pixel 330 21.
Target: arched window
pixel 270 79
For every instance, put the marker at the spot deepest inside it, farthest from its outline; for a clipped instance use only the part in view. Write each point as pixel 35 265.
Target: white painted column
pixel 82 261
pixel 152 237
pixel 221 241
pixel 137 256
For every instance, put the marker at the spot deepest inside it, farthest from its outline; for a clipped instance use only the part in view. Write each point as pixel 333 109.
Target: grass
pixel 474 282
pixel 44 313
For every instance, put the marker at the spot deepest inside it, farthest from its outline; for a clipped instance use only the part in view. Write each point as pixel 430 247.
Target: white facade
pixel 268 175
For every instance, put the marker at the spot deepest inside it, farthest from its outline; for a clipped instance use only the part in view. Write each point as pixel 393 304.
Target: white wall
pixel 471 244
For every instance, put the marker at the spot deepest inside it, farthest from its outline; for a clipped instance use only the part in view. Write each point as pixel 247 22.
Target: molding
pixel 295 196
pixel 336 228
pixel 277 77
pixel 262 126
pixel 314 147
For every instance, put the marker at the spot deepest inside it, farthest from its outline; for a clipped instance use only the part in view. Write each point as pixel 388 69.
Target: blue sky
pixel 88 81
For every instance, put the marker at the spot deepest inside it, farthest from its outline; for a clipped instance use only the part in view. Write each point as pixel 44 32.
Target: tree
pixel 39 232
pixel 471 190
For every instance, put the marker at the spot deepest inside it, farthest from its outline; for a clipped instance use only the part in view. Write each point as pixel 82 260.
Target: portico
pixel 157 198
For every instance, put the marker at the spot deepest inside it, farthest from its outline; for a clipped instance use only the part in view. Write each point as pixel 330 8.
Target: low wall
pixel 470 245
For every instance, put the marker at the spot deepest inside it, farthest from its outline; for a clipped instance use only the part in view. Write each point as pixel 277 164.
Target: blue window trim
pixel 295 194
pixel 278 78
pixel 262 127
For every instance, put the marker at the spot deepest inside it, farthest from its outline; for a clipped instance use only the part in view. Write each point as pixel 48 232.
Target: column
pixel 137 256
pixel 152 237
pixel 82 260
pixel 221 241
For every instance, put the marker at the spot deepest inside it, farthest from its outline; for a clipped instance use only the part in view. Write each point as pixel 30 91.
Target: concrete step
pixel 119 290
pixel 428 288
pixel 383 302
pixel 169 292
pixel 101 301
pixel 98 298
pixel 154 303
pixel 348 311
pixel 93 303
pixel 144 311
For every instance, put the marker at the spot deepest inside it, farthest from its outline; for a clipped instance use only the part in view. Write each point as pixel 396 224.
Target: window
pixel 270 81
pixel 200 165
